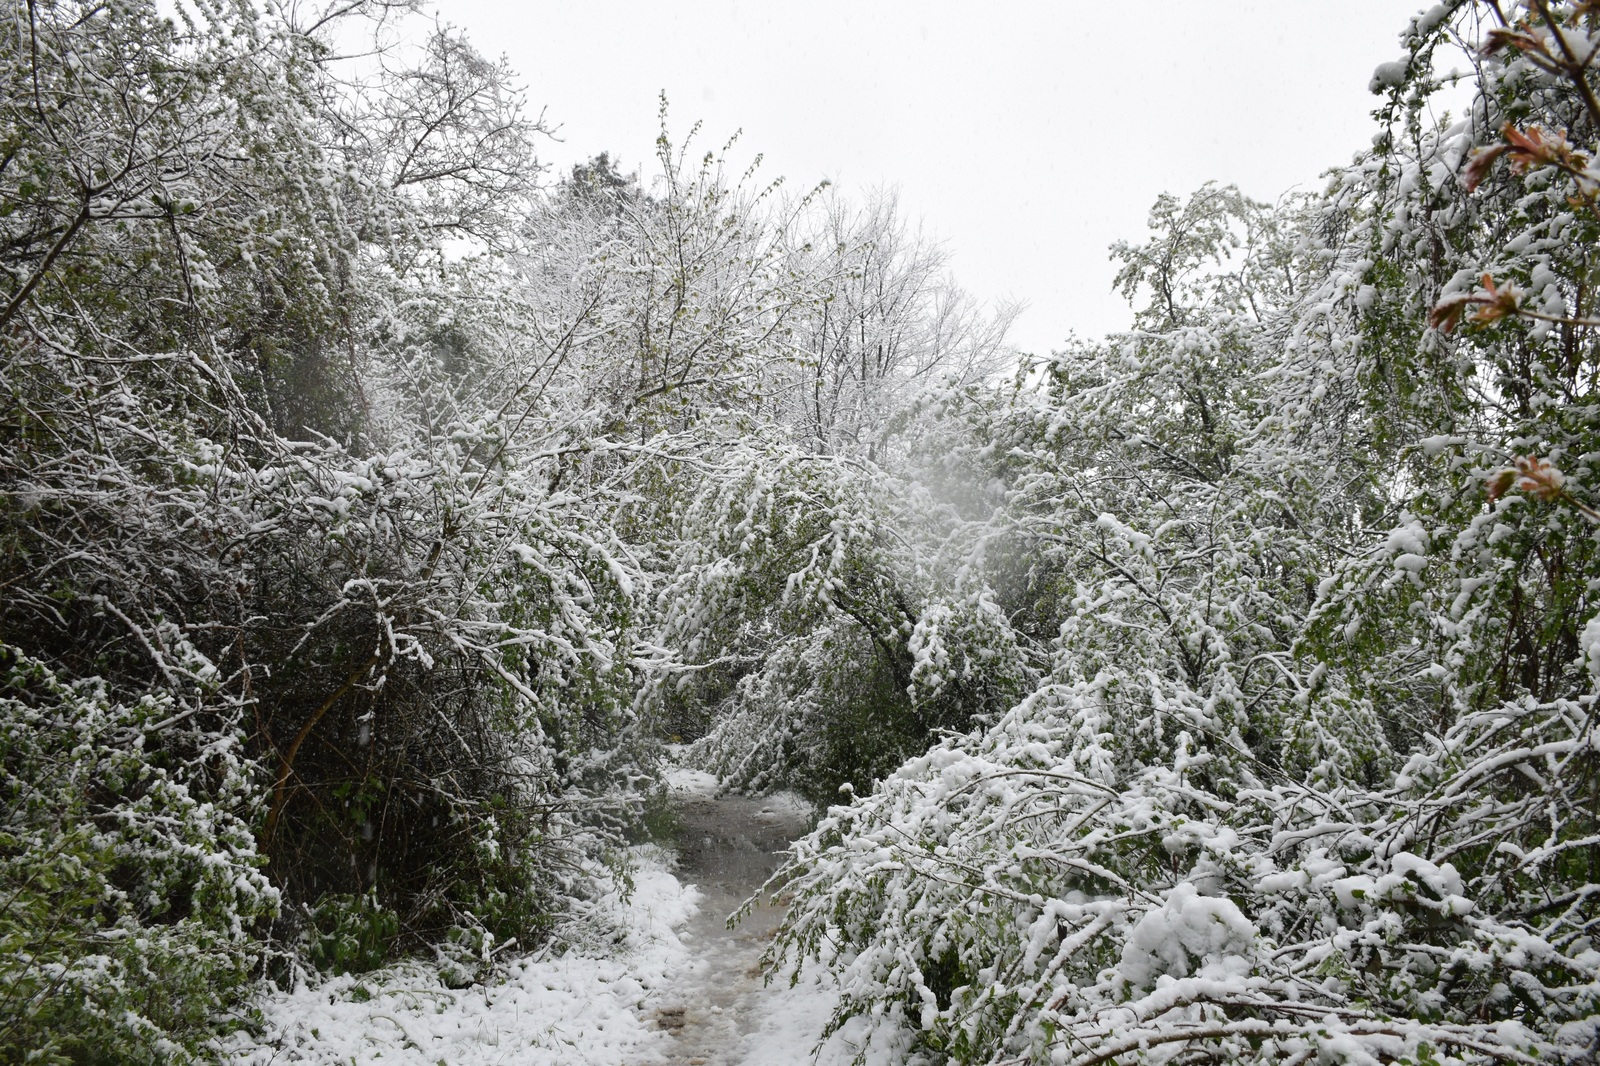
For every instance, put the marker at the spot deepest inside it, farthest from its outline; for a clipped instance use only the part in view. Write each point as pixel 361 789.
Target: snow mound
pixel 1190 933
pixel 682 781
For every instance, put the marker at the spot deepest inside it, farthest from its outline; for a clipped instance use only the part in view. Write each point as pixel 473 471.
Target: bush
pixel 132 890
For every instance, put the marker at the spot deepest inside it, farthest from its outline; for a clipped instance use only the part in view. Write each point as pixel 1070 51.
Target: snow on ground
pixel 580 1009
pixel 673 986
pixel 682 781
pixel 722 1013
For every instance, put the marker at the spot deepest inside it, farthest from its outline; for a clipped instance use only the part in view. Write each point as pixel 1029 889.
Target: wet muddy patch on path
pixel 728 846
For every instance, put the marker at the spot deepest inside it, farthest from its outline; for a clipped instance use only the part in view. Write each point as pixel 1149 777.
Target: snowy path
pixel 666 983
pixel 721 1015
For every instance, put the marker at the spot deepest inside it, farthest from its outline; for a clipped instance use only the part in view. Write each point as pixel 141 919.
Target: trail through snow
pixel 722 1014
pixel 667 983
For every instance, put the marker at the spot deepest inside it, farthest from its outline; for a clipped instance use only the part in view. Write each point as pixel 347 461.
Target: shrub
pixel 132 891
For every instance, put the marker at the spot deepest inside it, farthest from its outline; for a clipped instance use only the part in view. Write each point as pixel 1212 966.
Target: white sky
pixel 1026 136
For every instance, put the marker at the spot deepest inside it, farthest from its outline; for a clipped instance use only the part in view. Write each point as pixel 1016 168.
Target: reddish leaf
pixel 1482 160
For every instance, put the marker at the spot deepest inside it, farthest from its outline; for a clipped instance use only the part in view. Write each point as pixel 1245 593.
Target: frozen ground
pixel 677 987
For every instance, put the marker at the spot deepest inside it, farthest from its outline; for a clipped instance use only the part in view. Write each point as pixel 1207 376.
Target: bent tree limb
pixel 286 759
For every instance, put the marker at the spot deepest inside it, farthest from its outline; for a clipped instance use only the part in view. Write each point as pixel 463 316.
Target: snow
pixel 605 1002
pixel 1167 940
pixel 1388 75
pixel 792 1017
pixel 1589 644
pixel 1409 538
pixel 585 1008
pixel 683 781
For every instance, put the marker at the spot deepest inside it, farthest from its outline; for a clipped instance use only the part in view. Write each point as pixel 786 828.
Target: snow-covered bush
pixel 786 614
pixel 221 510
pixel 1020 896
pixel 435 758
pixel 806 620
pixel 132 887
pixel 1312 774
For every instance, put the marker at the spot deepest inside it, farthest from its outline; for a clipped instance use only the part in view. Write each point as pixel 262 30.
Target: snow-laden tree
pixel 818 637
pixel 151 216
pixel 269 561
pixel 1158 545
pixel 887 322
pixel 1312 772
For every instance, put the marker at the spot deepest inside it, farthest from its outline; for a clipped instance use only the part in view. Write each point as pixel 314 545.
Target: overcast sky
pixel 1025 136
